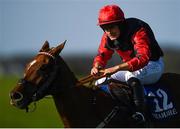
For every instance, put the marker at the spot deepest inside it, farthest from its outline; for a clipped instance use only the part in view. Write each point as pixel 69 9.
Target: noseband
pixel 35 92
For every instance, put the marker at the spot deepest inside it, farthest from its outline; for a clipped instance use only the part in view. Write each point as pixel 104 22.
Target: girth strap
pixel 108 118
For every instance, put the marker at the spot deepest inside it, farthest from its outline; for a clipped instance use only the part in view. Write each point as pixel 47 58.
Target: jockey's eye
pixel 108 27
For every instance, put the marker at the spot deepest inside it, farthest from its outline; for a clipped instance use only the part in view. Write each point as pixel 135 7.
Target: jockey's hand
pixel 94 71
pixel 110 71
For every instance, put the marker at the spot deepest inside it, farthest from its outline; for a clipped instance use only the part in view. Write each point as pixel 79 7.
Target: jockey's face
pixel 112 31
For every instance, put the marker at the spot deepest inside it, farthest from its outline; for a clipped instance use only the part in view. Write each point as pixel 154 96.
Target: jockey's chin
pixel 113 37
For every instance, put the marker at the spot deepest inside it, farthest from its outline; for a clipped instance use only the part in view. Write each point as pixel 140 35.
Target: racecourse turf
pixel 45 116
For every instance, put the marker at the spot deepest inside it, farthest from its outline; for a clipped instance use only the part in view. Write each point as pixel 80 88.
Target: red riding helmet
pixel 110 14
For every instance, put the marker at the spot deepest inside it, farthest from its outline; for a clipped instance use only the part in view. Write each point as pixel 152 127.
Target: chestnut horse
pixel 82 106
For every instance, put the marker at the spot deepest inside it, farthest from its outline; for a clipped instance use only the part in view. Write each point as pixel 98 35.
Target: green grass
pixel 44 116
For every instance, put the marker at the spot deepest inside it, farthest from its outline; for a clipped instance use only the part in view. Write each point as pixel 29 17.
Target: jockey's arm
pixel 116 68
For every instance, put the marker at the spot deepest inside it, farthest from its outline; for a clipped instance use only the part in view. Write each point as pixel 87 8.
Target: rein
pixel 90 78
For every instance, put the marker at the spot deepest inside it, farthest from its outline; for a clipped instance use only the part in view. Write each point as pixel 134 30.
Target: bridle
pixel 35 92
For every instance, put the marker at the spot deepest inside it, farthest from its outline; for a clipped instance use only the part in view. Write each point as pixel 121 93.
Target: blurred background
pixel 26 24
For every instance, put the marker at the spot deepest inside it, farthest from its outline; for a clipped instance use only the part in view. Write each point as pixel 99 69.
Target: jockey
pixel 133 40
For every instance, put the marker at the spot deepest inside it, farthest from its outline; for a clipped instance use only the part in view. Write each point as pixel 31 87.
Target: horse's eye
pixel 43 67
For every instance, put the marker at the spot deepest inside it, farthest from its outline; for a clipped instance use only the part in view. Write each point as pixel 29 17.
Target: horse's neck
pixel 74 107
pixel 65 77
pixel 74 103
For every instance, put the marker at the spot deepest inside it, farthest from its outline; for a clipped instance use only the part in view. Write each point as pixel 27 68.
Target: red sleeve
pixel 104 54
pixel 142 50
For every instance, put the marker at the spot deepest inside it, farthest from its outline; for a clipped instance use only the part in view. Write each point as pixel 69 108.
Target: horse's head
pixel 38 76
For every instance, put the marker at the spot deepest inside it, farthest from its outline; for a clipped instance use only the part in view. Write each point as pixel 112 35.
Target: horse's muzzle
pixel 17 100
pixel 16 96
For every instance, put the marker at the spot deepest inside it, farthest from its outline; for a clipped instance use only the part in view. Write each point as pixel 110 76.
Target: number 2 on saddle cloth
pixel 159 100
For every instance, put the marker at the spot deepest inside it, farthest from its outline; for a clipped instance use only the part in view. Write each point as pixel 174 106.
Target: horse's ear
pixel 45 47
pixel 58 49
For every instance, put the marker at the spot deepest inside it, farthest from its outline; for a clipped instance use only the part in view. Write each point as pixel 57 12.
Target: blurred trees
pixel 82 64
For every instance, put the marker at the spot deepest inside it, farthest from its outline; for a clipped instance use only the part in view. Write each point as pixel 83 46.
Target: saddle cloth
pixel 159 100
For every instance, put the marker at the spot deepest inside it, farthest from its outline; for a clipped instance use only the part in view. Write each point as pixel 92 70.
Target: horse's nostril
pixel 17 96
